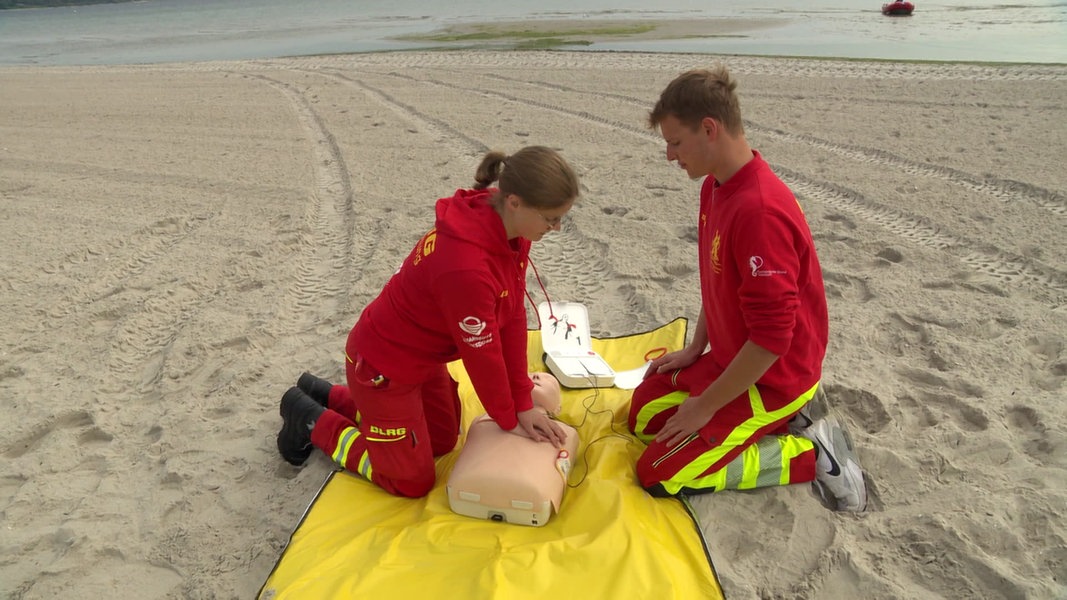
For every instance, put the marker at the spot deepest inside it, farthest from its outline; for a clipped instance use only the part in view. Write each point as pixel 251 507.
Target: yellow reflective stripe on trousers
pixel 792 446
pixel 652 409
pixel 344 445
pixel 365 468
pixel 747 469
pixel 763 464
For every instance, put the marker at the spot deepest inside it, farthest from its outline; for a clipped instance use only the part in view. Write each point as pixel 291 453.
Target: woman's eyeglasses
pixel 551 222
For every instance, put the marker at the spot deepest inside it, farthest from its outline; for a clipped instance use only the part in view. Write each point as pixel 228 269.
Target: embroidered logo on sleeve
pixel 474 328
pixel 756 264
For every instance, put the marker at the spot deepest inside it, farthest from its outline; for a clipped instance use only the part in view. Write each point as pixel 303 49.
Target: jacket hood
pixel 468 216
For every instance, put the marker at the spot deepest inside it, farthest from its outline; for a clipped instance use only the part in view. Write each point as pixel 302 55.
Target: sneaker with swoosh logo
pixel 816 408
pixel 800 421
pixel 837 469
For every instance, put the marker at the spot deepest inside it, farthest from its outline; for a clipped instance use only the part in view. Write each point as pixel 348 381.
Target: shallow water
pixel 195 30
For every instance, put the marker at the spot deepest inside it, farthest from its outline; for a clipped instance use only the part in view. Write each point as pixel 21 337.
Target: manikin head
pixel 546 393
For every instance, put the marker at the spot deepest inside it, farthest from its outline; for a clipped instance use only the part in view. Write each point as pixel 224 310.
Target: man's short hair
pixel 697 94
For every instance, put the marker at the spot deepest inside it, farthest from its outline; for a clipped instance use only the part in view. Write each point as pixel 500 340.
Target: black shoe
pixel 316 387
pixel 299 414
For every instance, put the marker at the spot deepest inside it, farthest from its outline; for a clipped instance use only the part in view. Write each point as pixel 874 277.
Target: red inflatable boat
pixel 898 8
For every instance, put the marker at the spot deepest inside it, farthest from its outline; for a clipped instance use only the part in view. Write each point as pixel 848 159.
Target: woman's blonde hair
pixel 537 174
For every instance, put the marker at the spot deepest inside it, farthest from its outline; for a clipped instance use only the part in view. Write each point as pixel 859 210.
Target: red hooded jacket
pixel 461 293
pixel 761 280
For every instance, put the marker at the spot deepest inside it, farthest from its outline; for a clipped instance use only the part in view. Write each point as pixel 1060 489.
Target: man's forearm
pixel 751 362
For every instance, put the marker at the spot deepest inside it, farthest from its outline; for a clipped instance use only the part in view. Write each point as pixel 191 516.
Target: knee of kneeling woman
pixel 443 447
pixel 414 488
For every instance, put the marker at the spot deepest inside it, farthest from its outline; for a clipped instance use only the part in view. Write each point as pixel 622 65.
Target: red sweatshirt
pixel 760 279
pixel 461 293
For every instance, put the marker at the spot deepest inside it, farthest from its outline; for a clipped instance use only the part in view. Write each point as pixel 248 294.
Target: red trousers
pixel 387 432
pixel 744 445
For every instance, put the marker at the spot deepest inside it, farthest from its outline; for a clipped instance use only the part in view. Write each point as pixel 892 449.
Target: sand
pixel 181 241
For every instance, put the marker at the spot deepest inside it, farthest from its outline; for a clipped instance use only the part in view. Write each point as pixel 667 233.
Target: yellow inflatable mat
pixel 610 539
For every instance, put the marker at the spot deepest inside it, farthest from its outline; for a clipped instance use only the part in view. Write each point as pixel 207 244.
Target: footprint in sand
pixel 78 419
pixel 1036 439
pixel 1047 367
pixel 890 255
pixel 842 286
pixel 862 406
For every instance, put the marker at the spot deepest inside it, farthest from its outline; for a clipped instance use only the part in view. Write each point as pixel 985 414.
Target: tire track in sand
pixel 1045 282
pixel 317 294
pixel 563 256
pixel 442 132
pixel 132 320
pixel 328 257
pixel 1005 190
pixel 659 63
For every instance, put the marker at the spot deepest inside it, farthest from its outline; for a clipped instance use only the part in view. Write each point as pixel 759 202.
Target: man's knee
pixel 657 490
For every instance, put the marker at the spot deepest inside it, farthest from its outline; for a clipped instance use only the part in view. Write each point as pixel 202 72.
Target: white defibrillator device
pixel 568 349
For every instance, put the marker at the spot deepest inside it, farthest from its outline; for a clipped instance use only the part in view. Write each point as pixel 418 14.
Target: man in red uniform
pixel 716 414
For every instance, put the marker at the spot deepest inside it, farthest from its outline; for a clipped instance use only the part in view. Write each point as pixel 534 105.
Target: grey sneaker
pixel 800 421
pixel 816 408
pixel 837 469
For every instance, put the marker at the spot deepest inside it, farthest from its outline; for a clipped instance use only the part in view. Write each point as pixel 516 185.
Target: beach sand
pixel 181 241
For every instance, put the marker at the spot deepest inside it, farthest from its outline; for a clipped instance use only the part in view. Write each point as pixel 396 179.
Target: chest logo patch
pixel 716 260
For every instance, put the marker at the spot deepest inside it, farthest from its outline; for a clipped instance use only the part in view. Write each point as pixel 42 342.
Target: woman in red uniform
pixel 460 294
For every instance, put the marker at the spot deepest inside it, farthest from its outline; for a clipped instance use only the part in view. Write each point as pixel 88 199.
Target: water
pixel 196 30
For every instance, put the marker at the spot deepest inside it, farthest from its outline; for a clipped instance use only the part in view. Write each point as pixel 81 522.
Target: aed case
pixel 568 349
pixel 508 477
